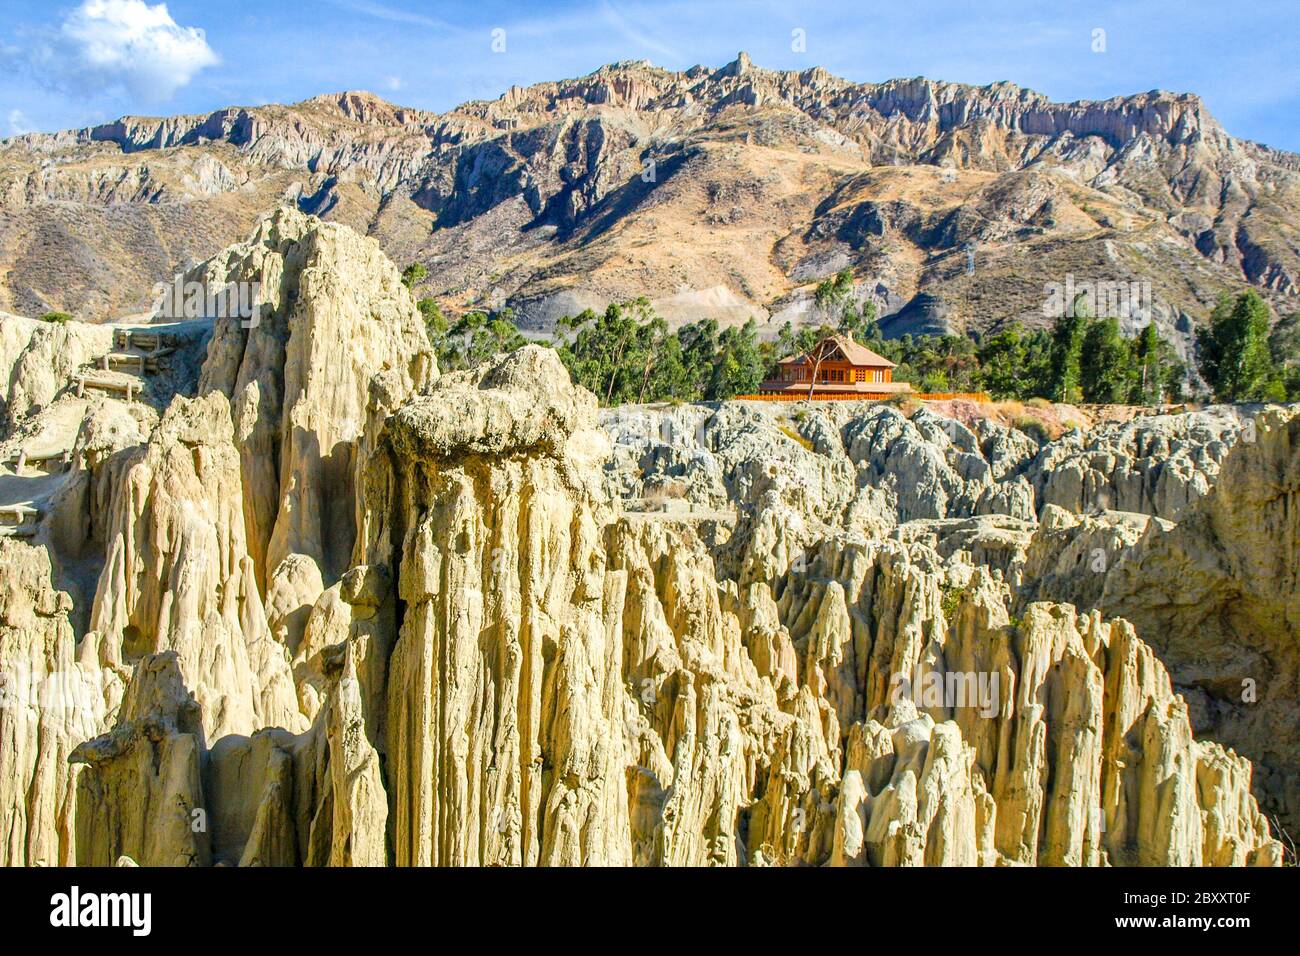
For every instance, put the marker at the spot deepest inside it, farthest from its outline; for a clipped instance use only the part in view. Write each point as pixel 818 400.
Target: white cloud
pixel 122 45
pixel 394 83
pixel 18 123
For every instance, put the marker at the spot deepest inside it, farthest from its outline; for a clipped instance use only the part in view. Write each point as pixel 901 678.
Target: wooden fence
pixel 864 396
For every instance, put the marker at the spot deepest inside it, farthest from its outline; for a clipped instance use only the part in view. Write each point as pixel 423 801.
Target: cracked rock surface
pixel 325 607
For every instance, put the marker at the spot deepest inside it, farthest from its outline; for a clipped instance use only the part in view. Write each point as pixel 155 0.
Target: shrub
pixel 950 602
pixel 56 317
pixel 414 274
pixel 665 488
pixel 1032 427
pixel 795 436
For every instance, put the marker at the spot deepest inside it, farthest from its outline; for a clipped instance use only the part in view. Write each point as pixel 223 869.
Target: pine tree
pixel 1284 345
pixel 1104 363
pixel 1002 363
pixel 1233 352
pixel 740 365
pixel 1067 348
pixel 1147 381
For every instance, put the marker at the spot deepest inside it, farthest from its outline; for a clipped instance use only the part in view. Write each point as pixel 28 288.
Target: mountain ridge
pixel 720 193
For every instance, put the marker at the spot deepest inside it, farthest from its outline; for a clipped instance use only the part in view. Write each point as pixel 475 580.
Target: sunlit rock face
pixel 504 692
pixel 1216 595
pixel 326 608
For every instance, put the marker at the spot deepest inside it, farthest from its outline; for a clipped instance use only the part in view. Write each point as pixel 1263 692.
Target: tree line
pixel 628 354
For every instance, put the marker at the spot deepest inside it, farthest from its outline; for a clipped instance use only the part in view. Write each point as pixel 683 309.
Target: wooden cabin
pixel 845 369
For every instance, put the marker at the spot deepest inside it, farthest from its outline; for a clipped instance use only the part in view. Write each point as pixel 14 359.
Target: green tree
pixel 787 343
pixel 1173 373
pixel 1284 347
pixel 414 274
pixel 699 347
pixel 740 365
pixel 1233 351
pixel 474 338
pixel 1002 363
pixel 1157 374
pixel 602 355
pixel 1065 375
pixel 1036 377
pixel 56 317
pixel 438 329
pixel 1104 363
pixel 1146 386
pixel 834 293
pixel 656 357
pixel 809 337
pixel 860 324
pixel 834 299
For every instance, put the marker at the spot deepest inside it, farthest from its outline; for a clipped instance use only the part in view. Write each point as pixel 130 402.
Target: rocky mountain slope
pixel 720 193
pixel 297 599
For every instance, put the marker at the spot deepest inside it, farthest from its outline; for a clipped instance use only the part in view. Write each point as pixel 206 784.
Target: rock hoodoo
pixel 308 602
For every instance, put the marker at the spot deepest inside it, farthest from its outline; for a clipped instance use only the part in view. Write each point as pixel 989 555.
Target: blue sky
pixel 85 61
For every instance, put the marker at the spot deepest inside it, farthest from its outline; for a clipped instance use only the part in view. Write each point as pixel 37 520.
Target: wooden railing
pixel 863 396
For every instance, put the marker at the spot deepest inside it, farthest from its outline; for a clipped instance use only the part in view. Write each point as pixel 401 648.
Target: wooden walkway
pixel 19 521
pixel 143 339
pixel 109 386
pixel 49 462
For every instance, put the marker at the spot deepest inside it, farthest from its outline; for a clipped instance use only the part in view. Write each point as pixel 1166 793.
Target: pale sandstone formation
pixel 922 467
pixel 315 799
pixel 996 541
pixel 140 789
pixel 178 576
pixel 363 618
pixel 740 708
pixel 155 513
pixel 1068 556
pixel 504 700
pixel 38 359
pixel 1156 466
pixel 1217 596
pixel 50 701
pixel 155 794
pixel 1087 759
pixel 334 313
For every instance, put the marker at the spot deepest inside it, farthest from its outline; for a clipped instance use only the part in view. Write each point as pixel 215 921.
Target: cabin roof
pixel 854 354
